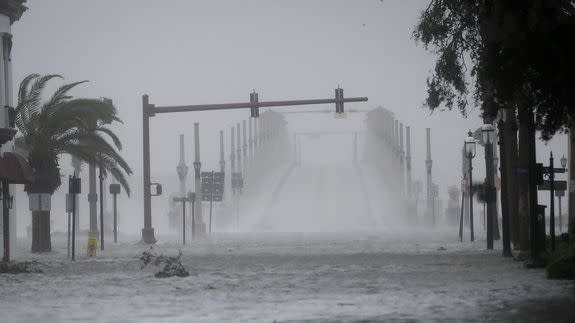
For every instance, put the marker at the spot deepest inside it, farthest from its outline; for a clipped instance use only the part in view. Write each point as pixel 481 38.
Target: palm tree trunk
pixel 41 241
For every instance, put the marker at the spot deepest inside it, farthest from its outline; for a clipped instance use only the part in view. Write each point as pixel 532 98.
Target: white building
pixel 10 12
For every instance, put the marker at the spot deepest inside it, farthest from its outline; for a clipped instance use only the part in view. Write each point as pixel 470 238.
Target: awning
pixel 15 169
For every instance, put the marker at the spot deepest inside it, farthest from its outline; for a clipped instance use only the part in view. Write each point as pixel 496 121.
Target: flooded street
pixel 290 277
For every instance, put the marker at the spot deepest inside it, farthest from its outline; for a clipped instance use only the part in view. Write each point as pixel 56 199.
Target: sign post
pixel 212 190
pixel 115 190
pixel 74 188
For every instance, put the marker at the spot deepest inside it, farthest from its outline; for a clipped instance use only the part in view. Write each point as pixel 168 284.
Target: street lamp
pixel 470 145
pixel 560 194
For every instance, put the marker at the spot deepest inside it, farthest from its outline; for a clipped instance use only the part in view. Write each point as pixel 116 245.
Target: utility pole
pixel 222 159
pixel 408 161
pixel 245 148
pixel 428 165
pixel 232 157
pixel 250 142
pixel 401 164
pixel 198 184
pixel 239 148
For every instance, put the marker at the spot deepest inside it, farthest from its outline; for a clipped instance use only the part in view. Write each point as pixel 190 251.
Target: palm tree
pixel 63 125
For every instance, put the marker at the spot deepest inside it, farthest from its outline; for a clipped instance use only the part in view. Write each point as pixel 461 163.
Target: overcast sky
pixel 193 52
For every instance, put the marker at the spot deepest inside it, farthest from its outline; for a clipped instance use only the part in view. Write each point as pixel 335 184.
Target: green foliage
pixel 66 125
pixel 451 29
pixel 520 53
pixel 170 266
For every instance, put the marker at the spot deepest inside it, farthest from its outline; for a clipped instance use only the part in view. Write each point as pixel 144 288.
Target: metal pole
pixel 408 160
pixel 428 164
pixel 184 222
pixel 461 218
pixel 115 218
pixel 552 202
pixel 471 197
pixel 232 158
pixel 250 142
pixel 6 220
pixel 239 148
pixel 74 223
pixel 68 244
pixel 222 160
pixel 101 177
pixel 560 217
pixel 211 201
pixel 198 184
pixel 147 231
pixel 193 219
pixel 245 148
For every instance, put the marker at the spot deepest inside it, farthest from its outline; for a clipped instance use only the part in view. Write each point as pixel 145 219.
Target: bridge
pixel 371 190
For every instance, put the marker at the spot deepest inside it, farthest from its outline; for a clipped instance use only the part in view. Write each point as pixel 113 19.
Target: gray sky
pixel 192 52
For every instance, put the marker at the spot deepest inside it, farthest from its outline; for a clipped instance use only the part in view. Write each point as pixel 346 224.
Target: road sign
pixel 547 170
pixel 217 176
pixel 216 198
pixel 212 186
pixel 558 186
pixel 559 193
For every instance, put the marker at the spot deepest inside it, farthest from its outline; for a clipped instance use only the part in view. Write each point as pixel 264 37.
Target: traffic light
pixel 339 96
pixel 255 110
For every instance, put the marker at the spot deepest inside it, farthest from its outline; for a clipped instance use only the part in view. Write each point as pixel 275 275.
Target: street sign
pixel 558 186
pixel 559 193
pixel 216 198
pixel 212 186
pixel 547 170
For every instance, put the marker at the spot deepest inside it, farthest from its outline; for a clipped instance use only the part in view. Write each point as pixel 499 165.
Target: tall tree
pixel 518 51
pixel 63 125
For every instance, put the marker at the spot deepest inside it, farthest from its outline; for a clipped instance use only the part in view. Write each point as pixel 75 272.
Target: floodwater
pixel 425 276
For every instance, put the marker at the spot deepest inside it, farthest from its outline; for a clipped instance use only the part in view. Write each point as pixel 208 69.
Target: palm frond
pixel 35 95
pixel 112 136
pixel 23 90
pixel 61 94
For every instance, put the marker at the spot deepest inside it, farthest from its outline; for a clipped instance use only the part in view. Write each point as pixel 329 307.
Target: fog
pixel 219 51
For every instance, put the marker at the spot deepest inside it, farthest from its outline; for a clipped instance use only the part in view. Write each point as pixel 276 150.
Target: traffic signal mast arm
pixel 230 106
